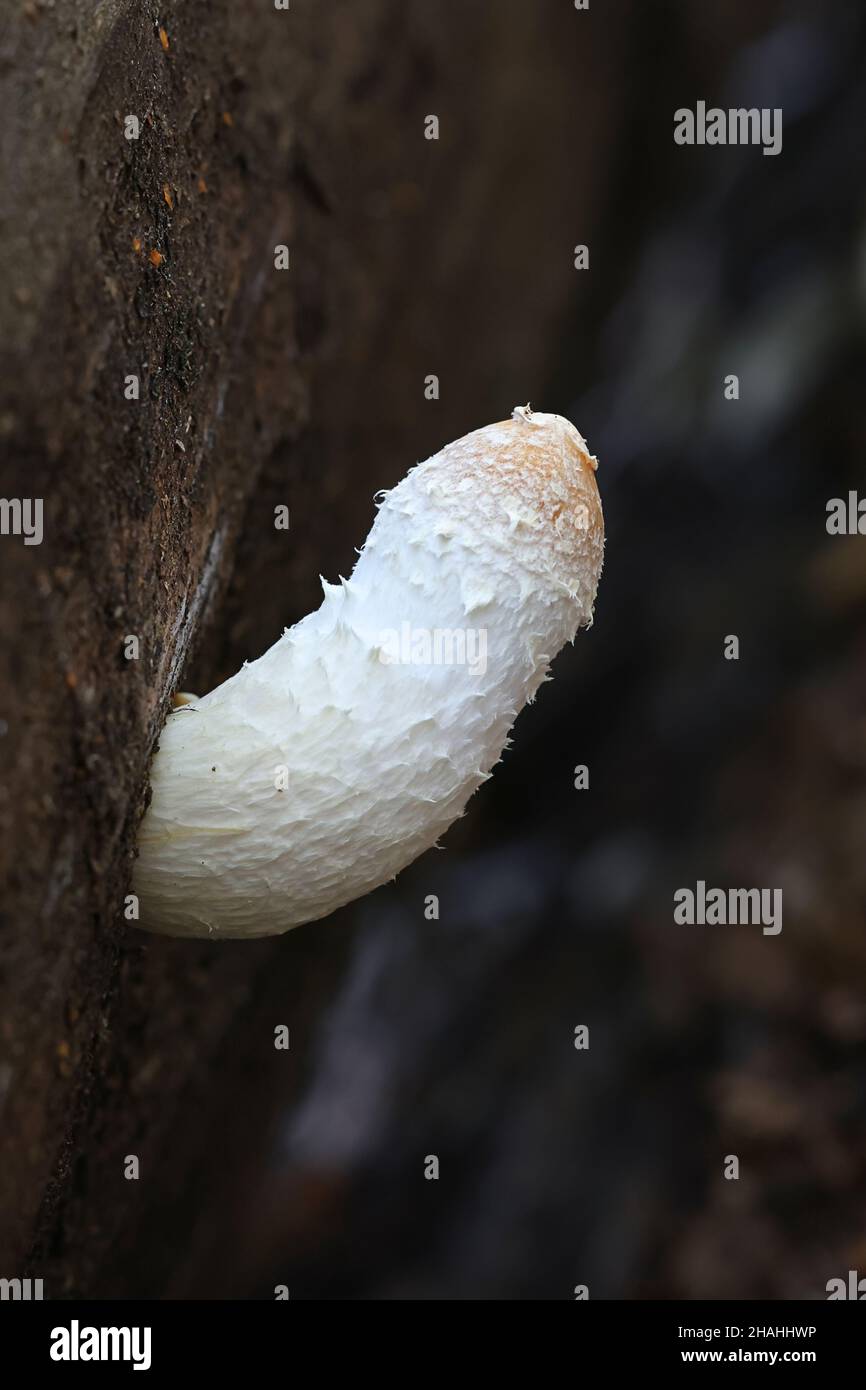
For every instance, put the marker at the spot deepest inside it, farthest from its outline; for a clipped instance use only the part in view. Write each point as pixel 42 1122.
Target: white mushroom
pixel 321 770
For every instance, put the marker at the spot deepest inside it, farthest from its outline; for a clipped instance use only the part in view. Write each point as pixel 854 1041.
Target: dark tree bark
pixel 154 257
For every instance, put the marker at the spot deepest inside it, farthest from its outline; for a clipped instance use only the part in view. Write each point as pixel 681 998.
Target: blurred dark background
pixel 454 1037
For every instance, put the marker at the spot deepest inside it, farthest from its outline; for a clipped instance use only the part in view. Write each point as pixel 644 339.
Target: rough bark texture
pixel 155 257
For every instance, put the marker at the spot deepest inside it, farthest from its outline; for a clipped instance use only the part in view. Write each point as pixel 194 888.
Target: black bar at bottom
pixel 161 1339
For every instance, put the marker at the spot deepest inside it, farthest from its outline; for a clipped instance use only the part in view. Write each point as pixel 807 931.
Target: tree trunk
pixel 154 258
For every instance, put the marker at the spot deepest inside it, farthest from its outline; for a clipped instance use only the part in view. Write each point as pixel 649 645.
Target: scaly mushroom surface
pixel 322 769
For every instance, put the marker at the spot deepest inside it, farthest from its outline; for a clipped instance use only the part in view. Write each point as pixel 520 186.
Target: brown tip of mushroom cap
pixel 528 485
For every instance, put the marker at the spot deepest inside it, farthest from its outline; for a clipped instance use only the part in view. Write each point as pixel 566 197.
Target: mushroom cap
pixel 322 769
pixel 522 494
